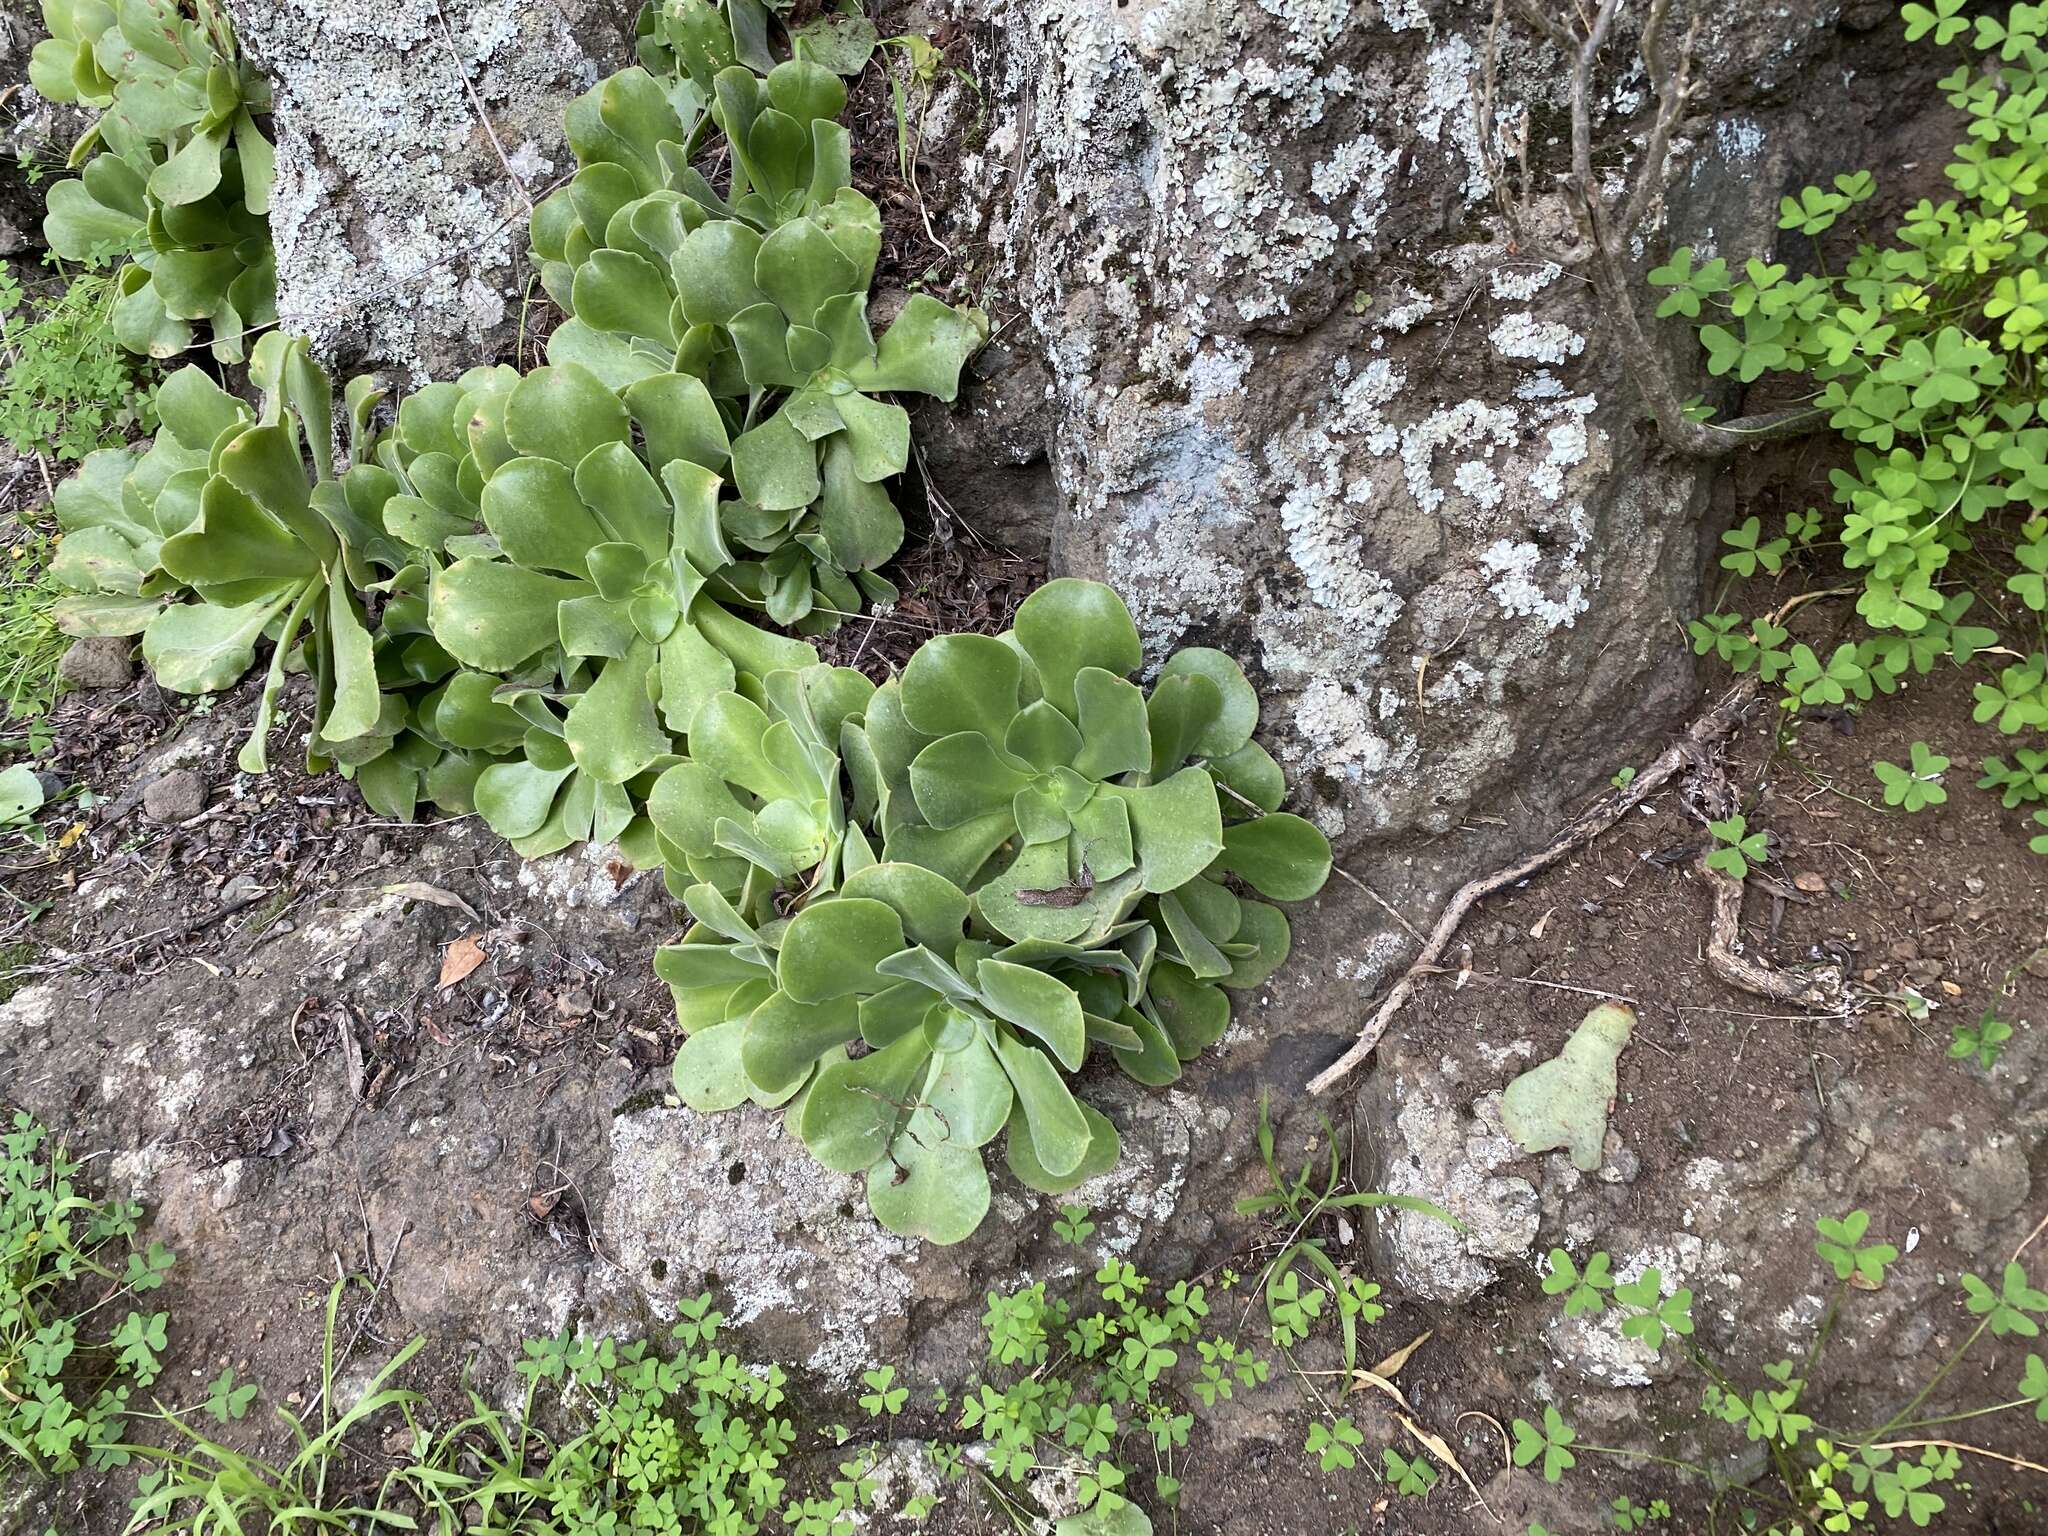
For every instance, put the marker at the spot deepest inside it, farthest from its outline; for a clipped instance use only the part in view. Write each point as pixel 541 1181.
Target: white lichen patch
pixel 1522 335
pixel 1141 1193
pixel 1521 283
pixel 396 222
pixel 694 1195
pixel 584 876
pixel 1517 585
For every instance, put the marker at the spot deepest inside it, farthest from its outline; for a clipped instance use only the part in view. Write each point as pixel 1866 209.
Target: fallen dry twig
pixel 1823 988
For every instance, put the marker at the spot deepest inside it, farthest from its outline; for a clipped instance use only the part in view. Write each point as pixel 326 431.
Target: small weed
pixel 1090 1390
pixel 1815 1479
pixel 1916 787
pixel 1302 1282
pixel 1737 849
pixel 31 645
pixel 73 1347
pixel 68 387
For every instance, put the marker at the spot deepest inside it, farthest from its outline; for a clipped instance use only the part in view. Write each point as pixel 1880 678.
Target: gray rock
pixel 175 796
pixel 401 232
pixel 239 889
pixel 1427 1145
pixel 1307 406
pixel 794 1250
pixel 98 661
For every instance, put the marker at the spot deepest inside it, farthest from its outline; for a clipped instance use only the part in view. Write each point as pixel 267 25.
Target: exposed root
pixel 1823 988
pixel 1691 750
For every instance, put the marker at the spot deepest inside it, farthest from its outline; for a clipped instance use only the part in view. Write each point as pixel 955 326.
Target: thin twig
pixel 1378 900
pixel 1605 252
pixel 1956 1445
pixel 476 103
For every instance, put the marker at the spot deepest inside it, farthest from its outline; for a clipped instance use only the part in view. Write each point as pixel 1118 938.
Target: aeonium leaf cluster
pixel 515 595
pixel 760 291
pixel 176 171
pixel 919 910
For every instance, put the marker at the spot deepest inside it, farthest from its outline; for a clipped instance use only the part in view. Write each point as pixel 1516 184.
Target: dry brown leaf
pixel 1374 1379
pixel 1506 1450
pixel 419 890
pixel 460 958
pixel 1542 923
pixel 1391 1366
pixel 1436 1447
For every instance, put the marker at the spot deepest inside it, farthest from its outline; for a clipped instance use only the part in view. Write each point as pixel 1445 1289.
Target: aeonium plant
pixel 182 190
pixel 920 911
pixel 761 292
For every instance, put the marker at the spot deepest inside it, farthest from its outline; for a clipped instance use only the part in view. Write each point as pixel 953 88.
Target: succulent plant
pixel 759 802
pixel 593 577
pixel 183 185
pixel 1029 858
pixel 963 1041
pixel 122 503
pixel 761 292
pixel 279 546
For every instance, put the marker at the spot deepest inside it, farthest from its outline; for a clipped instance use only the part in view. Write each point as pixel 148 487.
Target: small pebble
pixel 98 661
pixel 174 797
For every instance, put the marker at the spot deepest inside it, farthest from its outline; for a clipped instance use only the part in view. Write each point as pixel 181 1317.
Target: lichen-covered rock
pixel 1308 405
pixel 413 137
pixel 1457 1156
pixel 788 1241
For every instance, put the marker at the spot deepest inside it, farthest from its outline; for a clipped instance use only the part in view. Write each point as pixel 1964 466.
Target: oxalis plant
pixel 1794 1473
pixel 176 171
pixel 1924 355
pixel 918 909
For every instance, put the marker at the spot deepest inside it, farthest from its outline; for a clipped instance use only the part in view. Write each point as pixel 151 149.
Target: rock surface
pixel 98 661
pixel 1303 402
pixel 413 138
pixel 175 796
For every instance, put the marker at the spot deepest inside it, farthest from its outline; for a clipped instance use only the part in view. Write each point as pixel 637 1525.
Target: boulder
pixel 1305 401
pixel 412 140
